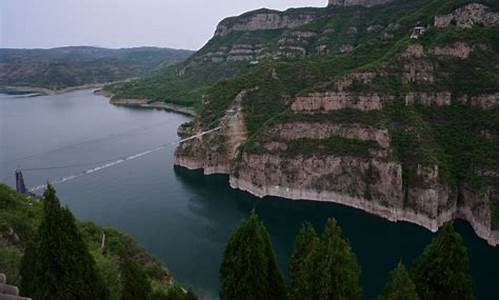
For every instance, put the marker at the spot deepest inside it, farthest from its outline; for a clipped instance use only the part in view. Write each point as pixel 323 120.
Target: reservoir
pixel 181 216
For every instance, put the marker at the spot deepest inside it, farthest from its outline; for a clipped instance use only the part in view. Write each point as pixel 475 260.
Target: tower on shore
pixel 20 187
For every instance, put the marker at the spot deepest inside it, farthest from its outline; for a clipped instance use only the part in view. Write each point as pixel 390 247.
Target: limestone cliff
pixel 361 114
pixel 366 3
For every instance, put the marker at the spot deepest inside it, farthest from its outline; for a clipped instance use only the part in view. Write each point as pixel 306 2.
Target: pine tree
pixel 249 270
pixel 303 264
pixel 442 270
pixel 400 286
pixel 337 269
pixel 135 284
pixel 26 268
pixel 62 265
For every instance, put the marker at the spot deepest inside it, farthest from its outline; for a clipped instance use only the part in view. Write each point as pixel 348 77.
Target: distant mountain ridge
pixel 64 67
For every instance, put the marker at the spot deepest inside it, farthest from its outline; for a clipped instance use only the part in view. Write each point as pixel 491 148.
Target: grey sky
pixel 121 23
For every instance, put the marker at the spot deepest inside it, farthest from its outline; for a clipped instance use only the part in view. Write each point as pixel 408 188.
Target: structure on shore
pixel 20 186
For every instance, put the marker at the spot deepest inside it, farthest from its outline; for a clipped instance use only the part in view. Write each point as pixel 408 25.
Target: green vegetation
pixel 59 264
pixel 249 270
pixel 135 284
pixel 22 222
pixel 442 270
pixel 399 286
pixel 326 268
pixel 59 68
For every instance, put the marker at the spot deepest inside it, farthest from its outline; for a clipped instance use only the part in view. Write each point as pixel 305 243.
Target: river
pixel 180 216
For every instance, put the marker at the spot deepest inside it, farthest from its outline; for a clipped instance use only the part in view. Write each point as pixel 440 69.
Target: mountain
pixel 65 67
pixel 388 106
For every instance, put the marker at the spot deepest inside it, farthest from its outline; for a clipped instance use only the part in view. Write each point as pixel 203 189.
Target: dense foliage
pixel 400 286
pixel 326 268
pixel 20 217
pixel 249 270
pixel 442 270
pixel 58 264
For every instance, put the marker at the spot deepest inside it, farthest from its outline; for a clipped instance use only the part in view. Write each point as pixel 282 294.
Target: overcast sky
pixel 184 24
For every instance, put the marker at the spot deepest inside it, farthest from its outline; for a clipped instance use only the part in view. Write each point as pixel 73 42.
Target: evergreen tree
pixel 400 286
pixel 337 269
pixel 135 284
pixel 303 264
pixel 26 269
pixel 442 270
pixel 249 270
pixel 62 265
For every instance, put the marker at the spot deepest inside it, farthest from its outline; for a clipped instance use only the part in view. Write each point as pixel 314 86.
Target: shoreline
pixel 41 91
pixel 144 103
pixel 489 236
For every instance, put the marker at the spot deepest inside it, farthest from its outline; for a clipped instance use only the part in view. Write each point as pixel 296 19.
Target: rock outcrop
pixel 467 16
pixel 263 19
pixel 365 3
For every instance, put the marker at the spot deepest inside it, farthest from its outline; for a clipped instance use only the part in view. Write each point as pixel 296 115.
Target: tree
pixel 442 270
pixel 249 270
pixel 303 264
pixel 62 267
pixel 400 286
pixel 135 284
pixel 337 269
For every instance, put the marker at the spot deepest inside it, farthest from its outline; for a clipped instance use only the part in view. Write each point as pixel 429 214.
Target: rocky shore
pixel 392 214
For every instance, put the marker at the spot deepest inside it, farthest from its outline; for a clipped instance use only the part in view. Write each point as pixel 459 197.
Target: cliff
pixel 365 3
pixel 404 128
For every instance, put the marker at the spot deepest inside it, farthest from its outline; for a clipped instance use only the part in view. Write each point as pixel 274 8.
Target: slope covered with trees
pixel 65 67
pixel 50 255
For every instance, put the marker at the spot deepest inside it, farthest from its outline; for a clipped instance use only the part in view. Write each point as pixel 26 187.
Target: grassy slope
pixel 19 218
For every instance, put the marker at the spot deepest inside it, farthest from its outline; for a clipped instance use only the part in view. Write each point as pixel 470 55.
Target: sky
pixel 183 24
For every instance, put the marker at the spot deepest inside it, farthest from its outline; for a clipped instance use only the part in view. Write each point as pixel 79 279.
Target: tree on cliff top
pixel 57 264
pixel 442 270
pixel 400 286
pixel 249 270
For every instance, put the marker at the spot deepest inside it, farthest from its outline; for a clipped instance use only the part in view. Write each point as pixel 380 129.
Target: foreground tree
pixel 249 270
pixel 400 286
pixel 338 269
pixel 303 264
pixel 135 284
pixel 57 264
pixel 442 270
pixel 324 268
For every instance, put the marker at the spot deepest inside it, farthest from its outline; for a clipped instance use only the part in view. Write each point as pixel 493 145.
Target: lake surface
pixel 180 216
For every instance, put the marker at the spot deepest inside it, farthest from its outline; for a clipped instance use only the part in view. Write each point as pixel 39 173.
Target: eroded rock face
pixel 484 101
pixel 365 3
pixel 262 20
pixel 301 130
pixel 330 101
pixel 467 16
pixel 459 49
pixel 428 99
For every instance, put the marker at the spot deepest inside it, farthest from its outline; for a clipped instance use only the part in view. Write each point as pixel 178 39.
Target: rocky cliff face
pixel 365 3
pixel 264 19
pixel 409 135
